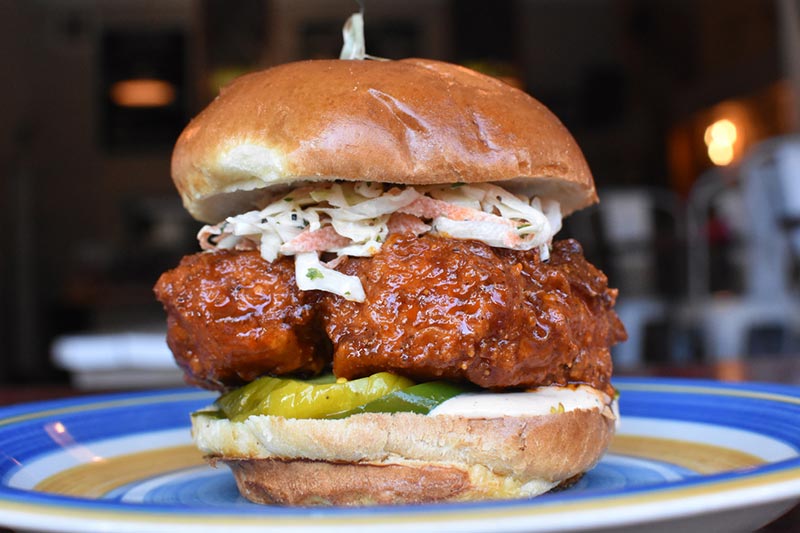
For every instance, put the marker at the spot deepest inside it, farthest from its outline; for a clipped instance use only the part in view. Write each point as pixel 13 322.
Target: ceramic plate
pixel 689 455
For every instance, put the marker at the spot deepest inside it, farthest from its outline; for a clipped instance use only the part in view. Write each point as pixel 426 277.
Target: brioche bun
pixel 405 122
pixel 409 122
pixel 377 458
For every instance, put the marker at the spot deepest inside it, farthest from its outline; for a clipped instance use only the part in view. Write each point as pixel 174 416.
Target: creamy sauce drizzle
pixel 542 401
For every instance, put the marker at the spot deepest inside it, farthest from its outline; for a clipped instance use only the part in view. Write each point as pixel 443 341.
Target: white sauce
pixel 542 401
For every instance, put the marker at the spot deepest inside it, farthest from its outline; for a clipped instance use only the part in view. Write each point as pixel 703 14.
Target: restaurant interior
pixel 687 112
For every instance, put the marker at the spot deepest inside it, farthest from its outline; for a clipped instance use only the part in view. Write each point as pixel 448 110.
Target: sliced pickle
pixel 323 398
pixel 420 399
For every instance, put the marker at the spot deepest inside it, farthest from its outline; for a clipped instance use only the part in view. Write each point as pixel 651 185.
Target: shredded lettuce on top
pixel 354 219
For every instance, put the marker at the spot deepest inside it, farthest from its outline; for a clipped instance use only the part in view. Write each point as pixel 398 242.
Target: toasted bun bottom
pixel 307 483
pixel 403 457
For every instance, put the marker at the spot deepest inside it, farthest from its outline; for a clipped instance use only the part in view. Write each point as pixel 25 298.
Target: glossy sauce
pixel 435 308
pixel 462 310
pixel 233 317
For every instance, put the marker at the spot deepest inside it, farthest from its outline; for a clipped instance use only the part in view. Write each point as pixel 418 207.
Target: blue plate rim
pixel 783 471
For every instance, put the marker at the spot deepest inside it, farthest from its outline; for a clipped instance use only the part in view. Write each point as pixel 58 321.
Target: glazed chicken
pixel 441 308
pixel 232 317
pixel 436 308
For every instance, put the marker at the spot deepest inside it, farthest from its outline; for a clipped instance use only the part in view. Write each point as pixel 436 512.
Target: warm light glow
pixel 720 154
pixel 143 92
pixel 722 132
pixel 720 138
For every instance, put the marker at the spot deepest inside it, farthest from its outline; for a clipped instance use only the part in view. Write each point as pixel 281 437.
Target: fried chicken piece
pixel 232 317
pixel 570 310
pixel 436 308
pixel 440 308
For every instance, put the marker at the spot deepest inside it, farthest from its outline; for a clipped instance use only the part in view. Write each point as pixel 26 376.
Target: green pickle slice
pixel 420 399
pixel 326 397
pixel 293 398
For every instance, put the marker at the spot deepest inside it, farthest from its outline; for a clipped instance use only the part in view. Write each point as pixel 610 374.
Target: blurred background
pixel 687 111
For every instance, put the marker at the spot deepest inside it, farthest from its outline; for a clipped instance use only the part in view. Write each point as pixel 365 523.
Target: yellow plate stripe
pixel 96 479
pixel 700 458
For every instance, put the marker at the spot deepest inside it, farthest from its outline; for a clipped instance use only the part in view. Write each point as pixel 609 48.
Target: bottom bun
pixel 378 458
pixel 300 482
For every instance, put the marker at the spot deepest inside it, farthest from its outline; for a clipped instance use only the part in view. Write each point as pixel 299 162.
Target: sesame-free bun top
pixel 412 121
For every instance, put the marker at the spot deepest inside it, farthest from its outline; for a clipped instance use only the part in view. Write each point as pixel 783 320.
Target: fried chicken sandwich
pixel 380 299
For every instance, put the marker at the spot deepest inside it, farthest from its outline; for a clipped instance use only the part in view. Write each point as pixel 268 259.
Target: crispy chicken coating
pixel 441 308
pixel 232 317
pixel 435 308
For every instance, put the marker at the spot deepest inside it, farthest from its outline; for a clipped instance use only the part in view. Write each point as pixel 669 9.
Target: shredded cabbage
pixel 353 36
pixel 311 274
pixel 355 46
pixel 353 219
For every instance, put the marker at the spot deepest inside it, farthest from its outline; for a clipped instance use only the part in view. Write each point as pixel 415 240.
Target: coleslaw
pixel 355 218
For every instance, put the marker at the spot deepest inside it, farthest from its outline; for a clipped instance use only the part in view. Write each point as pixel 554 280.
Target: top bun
pixel 412 122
